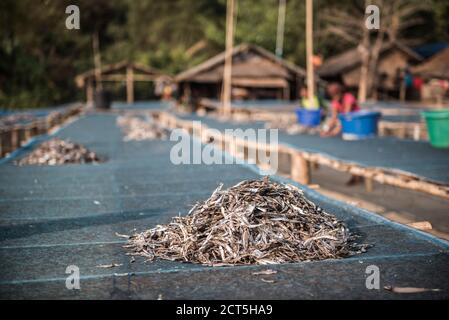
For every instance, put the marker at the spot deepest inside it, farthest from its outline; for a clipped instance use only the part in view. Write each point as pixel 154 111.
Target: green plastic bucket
pixel 438 127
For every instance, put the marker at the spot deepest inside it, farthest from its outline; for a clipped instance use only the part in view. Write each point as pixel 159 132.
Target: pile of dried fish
pixel 58 152
pixel 234 118
pixel 253 222
pixel 138 129
pixel 14 119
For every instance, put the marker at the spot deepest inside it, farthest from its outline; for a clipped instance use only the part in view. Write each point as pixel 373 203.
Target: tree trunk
pixel 363 86
pixel 372 77
pixel 364 70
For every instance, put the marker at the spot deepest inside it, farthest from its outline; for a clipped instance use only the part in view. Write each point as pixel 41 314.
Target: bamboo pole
pixel 227 72
pixel 1 143
pixel 89 93
pixel 97 60
pixel 280 29
pixel 309 51
pixel 129 84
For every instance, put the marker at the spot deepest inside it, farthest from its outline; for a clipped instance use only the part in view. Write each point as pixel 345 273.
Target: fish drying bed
pixel 53 217
pixel 414 157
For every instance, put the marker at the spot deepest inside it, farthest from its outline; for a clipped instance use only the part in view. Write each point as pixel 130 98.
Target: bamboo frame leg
pixel 6 142
pixel 1 144
pixel 14 139
pixel 369 186
pixel 416 132
pixel 300 170
pixel 129 85
pixel 27 133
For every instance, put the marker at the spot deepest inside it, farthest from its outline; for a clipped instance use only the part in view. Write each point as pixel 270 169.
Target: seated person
pixel 340 103
pixel 305 101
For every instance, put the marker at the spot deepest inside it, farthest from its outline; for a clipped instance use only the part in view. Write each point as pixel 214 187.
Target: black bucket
pixel 103 99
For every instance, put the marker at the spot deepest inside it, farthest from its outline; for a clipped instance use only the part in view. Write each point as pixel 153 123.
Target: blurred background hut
pixel 394 59
pixel 435 75
pixel 256 74
pixel 123 78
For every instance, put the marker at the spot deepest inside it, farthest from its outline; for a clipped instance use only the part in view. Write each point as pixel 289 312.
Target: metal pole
pixel 280 29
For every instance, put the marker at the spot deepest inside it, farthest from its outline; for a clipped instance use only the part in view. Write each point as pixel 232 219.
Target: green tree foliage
pixel 39 57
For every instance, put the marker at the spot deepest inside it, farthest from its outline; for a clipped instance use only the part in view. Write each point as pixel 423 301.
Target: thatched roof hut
pixel 256 74
pixel 437 67
pixel 345 67
pixel 123 71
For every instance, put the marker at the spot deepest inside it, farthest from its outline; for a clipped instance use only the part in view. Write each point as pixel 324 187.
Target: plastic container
pixel 359 125
pixel 308 118
pixel 438 127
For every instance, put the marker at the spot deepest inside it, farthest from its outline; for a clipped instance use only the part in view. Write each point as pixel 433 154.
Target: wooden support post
pixel 129 85
pixel 27 133
pixel 280 28
pixel 369 187
pixel 286 93
pixel 42 127
pixel 14 138
pixel 227 72
pixel 89 93
pixel 381 129
pixel 35 128
pixel 97 60
pixel 48 123
pixel 309 53
pixel 21 135
pixel 300 170
pixel 416 132
pixel 402 132
pixel 1 143
pixel 6 142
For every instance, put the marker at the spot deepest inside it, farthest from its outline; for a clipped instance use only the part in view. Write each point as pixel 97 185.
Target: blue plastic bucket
pixel 308 118
pixel 359 125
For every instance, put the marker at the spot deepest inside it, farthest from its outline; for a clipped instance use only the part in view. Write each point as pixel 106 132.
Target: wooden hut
pixel 437 67
pixel 435 73
pixel 256 74
pixel 393 59
pixel 124 71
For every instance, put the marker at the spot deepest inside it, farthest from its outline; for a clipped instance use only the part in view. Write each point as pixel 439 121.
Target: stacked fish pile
pixel 138 129
pixel 59 152
pixel 253 222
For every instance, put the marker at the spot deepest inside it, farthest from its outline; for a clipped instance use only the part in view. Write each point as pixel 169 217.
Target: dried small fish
pixel 122 235
pixel 267 281
pixel 253 222
pixel 14 119
pixel 107 266
pixel 58 152
pixel 124 274
pixel 409 289
pixel 265 272
pixel 138 129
